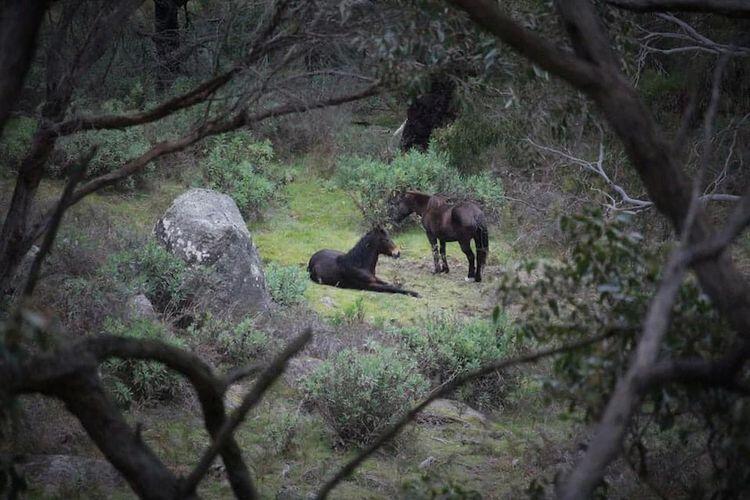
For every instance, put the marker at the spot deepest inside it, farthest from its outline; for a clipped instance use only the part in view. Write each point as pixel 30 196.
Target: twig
pixel 76 174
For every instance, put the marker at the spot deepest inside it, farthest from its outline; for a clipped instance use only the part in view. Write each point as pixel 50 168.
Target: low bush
pixel 467 140
pixel 359 394
pixel 447 347
pixel 15 141
pixel 286 284
pixel 235 344
pixel 350 314
pixel 151 270
pixel 241 167
pixel 374 183
pixel 114 149
pixel 142 382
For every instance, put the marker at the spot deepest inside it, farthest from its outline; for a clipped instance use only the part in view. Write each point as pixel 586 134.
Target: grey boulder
pixel 205 228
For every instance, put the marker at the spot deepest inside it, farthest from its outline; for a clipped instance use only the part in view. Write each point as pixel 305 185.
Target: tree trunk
pixel 428 112
pixel 167 40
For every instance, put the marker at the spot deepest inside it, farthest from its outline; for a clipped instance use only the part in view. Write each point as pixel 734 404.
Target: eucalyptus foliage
pixel 605 285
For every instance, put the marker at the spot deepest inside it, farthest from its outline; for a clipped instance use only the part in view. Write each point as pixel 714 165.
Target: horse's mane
pixel 361 251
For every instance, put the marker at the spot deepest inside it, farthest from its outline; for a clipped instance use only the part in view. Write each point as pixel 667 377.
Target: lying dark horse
pixel 356 268
pixel 445 222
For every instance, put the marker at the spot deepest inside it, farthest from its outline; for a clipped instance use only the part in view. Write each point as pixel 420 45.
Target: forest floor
pixel 289 449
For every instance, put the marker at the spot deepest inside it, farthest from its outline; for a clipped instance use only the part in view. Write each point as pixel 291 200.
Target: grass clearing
pixel 319 216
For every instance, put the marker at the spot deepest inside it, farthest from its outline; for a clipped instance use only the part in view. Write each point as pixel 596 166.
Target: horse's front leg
pixel 435 251
pixel 387 288
pixel 442 255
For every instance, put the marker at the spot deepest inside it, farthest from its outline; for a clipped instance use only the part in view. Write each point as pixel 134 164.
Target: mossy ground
pixel 319 216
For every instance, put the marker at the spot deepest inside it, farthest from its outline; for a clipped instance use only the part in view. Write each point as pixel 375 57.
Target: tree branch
pixel 76 174
pixel 265 380
pixel 549 57
pixel 610 431
pixel 214 127
pixel 725 7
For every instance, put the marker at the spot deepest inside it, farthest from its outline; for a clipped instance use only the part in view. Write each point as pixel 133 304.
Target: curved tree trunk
pixel 428 112
pixel 167 39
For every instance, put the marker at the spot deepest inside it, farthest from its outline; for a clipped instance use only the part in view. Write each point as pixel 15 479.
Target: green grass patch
pixel 320 216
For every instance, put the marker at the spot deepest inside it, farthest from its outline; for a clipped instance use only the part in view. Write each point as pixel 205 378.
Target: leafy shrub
pixel 605 285
pixel 144 382
pixel 16 140
pixel 114 148
pixel 465 140
pixel 350 314
pixel 448 347
pixel 150 270
pixel 238 166
pixel 375 182
pixel 286 284
pixel 359 394
pixel 235 344
pixel 281 430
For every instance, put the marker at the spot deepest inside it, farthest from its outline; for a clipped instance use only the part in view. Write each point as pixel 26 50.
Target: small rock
pixel 427 462
pixel 442 411
pixel 328 302
pixel 139 307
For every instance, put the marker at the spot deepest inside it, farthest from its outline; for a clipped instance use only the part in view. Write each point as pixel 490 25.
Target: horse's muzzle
pixel 396 253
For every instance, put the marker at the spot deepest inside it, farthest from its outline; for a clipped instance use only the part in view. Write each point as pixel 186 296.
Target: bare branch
pixel 597 167
pixel 76 174
pixel 265 380
pixel 693 40
pixel 444 390
pixel 726 7
pixel 218 126
pixel 720 372
pixel 197 95
pixel 549 57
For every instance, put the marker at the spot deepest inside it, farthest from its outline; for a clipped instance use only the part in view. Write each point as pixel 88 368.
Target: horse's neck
pixel 363 258
pixel 421 202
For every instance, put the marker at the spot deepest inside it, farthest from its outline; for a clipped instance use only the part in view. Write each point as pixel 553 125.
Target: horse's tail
pixel 311 270
pixel 482 241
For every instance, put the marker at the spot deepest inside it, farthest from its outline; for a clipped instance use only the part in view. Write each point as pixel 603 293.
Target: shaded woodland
pixel 169 166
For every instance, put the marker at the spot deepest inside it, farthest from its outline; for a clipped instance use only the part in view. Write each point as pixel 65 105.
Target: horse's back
pixel 467 215
pixel 323 267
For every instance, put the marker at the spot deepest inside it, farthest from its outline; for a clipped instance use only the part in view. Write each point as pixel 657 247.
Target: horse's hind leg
pixel 466 248
pixel 435 252
pixel 442 255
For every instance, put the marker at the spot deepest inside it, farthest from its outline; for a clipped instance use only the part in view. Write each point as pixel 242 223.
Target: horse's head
pixel 383 243
pixel 400 206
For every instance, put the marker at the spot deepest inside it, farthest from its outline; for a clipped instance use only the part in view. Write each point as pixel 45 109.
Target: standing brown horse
pixel 444 222
pixel 356 268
